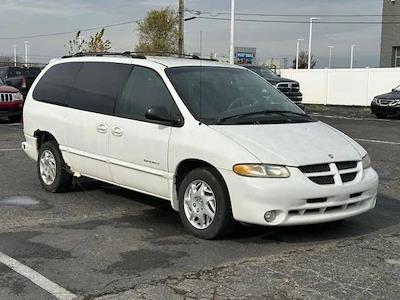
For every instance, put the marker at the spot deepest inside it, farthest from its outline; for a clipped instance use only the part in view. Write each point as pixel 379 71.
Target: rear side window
pixel 56 84
pixel 144 88
pixel 97 86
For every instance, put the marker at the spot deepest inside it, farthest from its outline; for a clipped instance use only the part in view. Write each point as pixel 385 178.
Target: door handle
pixel 102 128
pixel 117 131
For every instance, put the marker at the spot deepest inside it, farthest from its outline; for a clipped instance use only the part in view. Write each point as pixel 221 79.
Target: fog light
pixel 270 216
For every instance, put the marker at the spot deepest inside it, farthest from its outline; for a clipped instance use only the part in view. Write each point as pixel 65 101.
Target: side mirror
pixel 160 113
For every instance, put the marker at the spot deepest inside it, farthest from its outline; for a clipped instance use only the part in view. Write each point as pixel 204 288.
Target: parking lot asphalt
pixel 100 241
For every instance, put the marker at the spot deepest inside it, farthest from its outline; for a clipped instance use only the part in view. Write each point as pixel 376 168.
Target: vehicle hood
pixel 275 81
pixel 390 96
pixel 8 89
pixel 294 144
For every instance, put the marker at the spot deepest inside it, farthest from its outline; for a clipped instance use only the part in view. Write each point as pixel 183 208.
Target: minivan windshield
pixel 224 95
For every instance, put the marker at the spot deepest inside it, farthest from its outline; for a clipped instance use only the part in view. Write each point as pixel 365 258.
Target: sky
pixel 272 40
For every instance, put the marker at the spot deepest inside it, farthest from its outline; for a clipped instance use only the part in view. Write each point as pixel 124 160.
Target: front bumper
pixel 8 109
pixel 385 110
pixel 251 198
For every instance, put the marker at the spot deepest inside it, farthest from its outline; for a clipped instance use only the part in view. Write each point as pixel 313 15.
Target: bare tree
pixel 303 61
pixel 77 45
pixel 97 44
pixel 6 61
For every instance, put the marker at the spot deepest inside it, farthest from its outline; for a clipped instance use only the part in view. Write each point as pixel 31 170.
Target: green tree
pixel 6 61
pixel 303 61
pixel 97 44
pixel 158 32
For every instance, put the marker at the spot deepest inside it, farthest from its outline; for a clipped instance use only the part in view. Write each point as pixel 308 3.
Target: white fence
pixel 344 86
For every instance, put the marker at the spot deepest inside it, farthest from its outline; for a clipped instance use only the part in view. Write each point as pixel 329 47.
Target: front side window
pixel 97 86
pixel 143 89
pixel 220 95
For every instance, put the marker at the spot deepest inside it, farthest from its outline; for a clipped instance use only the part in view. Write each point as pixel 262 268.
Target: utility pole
pixel 310 41
pixel 15 55
pixel 352 56
pixel 181 27
pixel 330 56
pixel 232 43
pixel 297 53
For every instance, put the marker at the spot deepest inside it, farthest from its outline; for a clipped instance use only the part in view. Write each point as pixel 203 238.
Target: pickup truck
pixel 20 78
pixel 288 87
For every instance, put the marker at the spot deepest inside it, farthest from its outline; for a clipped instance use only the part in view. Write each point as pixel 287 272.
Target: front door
pixel 138 147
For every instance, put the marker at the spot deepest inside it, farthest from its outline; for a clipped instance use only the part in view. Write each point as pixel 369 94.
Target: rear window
pixel 97 86
pixel 15 72
pixel 56 84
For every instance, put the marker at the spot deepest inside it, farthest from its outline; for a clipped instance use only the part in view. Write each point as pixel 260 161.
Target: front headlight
pixel 18 97
pixel 255 170
pixel 366 162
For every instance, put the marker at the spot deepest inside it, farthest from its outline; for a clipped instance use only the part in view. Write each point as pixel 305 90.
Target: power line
pixel 68 32
pixel 300 22
pixel 215 14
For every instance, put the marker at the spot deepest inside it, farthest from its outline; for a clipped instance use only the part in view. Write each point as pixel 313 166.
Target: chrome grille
pixel 388 102
pixel 332 173
pixel 6 97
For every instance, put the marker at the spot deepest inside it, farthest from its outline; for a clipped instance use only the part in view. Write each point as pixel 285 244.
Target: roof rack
pixel 136 54
pixel 127 54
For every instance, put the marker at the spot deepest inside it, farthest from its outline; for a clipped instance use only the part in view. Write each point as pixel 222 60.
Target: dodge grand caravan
pixel 216 140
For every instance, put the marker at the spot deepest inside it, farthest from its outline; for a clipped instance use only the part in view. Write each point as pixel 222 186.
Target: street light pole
pixel 352 56
pixel 297 53
pixel 310 41
pixel 330 56
pixel 232 43
pixel 15 55
pixel 26 53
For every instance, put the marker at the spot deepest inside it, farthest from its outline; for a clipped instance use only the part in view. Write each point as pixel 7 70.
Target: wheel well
pixel 188 165
pixel 43 137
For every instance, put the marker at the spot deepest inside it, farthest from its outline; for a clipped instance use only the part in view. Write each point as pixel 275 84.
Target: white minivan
pixel 216 140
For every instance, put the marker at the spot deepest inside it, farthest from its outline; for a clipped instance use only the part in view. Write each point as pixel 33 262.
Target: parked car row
pixel 15 83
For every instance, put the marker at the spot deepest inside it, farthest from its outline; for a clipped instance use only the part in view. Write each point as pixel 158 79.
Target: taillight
pixel 23 85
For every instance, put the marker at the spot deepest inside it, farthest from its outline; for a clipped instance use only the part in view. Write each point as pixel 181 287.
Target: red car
pixel 11 102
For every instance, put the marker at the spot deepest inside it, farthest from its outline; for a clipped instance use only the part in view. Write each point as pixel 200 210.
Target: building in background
pixel 245 55
pixel 390 39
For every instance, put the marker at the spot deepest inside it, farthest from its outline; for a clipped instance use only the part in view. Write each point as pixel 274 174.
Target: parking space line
pixel 10 149
pixel 377 142
pixel 38 279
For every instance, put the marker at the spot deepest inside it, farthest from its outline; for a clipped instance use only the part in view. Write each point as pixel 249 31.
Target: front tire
pixel 204 204
pixel 51 169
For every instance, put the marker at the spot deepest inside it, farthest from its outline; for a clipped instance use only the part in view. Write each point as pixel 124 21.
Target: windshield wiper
pixel 254 113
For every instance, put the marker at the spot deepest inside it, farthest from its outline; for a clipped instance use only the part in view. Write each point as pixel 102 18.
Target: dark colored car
pixel 387 105
pixel 11 102
pixel 20 78
pixel 289 87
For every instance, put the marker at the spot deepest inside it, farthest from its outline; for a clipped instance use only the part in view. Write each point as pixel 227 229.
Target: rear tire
pixel 209 185
pixel 51 169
